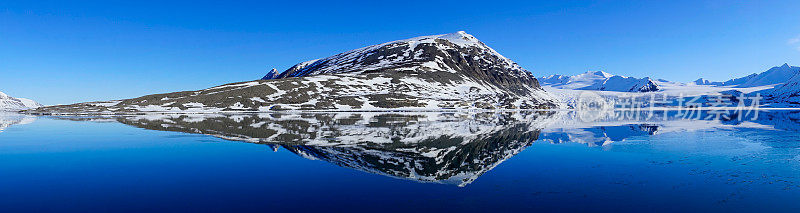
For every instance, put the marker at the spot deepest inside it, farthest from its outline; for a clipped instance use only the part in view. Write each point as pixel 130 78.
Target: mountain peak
pixel 701 81
pixel 785 65
pixel 272 74
pixel 461 38
pixel 459 33
pixel 421 54
pixel 600 73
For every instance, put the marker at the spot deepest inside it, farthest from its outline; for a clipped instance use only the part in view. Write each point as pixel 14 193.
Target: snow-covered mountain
pixel 775 75
pixel 8 103
pixel 779 85
pixel 431 53
pixel 788 92
pixel 452 66
pixel 449 71
pixel 601 81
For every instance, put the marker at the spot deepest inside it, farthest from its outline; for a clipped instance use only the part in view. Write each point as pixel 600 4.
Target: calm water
pixel 399 162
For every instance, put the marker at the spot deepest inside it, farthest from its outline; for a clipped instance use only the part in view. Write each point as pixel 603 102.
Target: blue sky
pixel 64 52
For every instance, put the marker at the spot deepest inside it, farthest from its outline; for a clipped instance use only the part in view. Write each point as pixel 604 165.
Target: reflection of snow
pixel 451 148
pixel 566 127
pixel 8 119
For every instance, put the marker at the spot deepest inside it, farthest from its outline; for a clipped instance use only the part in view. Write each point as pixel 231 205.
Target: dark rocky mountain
pixel 450 71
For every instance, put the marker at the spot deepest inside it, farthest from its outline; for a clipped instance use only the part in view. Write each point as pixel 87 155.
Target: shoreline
pixel 405 111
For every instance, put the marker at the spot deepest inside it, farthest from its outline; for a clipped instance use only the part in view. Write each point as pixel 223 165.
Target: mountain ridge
pixel 772 76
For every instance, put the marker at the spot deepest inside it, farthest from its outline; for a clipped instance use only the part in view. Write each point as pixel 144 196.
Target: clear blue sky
pixel 64 52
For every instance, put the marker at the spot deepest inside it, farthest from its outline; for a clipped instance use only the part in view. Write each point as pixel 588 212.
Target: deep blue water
pixel 343 163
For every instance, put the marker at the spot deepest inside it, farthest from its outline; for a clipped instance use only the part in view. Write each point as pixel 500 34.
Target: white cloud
pixel 794 40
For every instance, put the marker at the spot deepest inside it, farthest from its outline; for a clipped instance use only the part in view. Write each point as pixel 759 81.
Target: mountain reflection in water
pixel 9 119
pixel 451 148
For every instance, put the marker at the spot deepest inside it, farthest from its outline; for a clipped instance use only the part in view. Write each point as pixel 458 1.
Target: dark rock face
pixel 649 86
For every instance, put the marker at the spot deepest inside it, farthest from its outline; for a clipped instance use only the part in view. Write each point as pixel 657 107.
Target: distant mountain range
pixel 601 81
pixel 779 86
pixel 8 103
